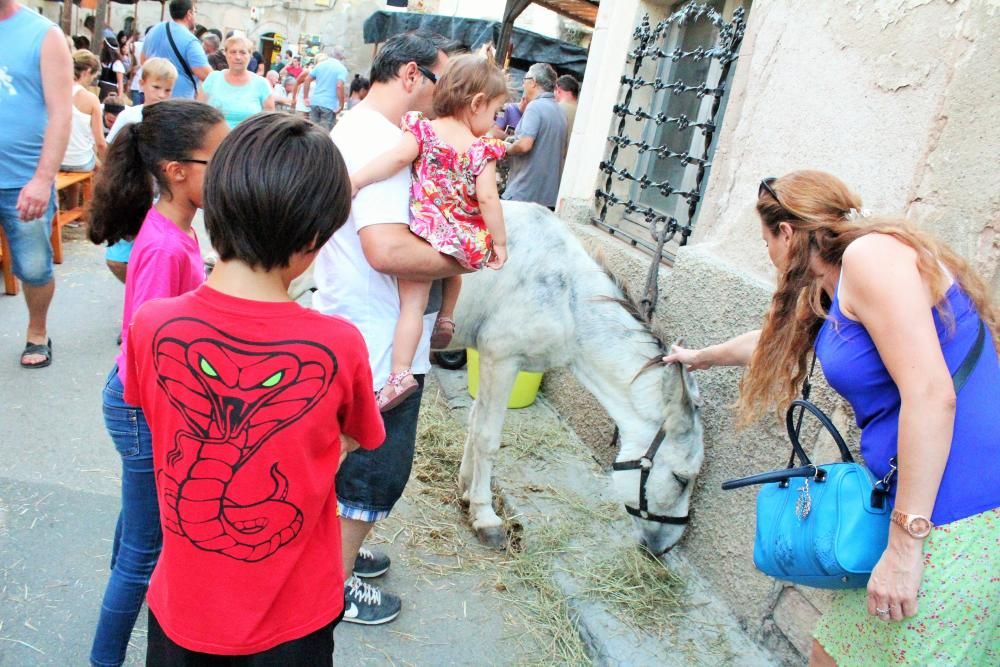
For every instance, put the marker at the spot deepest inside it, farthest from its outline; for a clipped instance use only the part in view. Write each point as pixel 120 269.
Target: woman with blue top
pixel 237 92
pixel 891 313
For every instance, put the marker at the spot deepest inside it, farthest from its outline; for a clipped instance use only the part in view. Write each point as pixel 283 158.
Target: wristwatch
pixel 915 525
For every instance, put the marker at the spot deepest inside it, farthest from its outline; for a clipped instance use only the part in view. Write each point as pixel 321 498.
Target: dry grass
pixel 638 589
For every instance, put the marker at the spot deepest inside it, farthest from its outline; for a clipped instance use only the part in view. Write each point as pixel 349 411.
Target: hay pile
pixel 638 589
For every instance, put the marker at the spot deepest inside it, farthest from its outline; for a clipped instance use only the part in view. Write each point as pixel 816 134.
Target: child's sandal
pixel 397 389
pixel 444 329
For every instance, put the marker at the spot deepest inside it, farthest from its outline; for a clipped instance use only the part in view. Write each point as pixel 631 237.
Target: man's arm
pixel 527 129
pixel 197 60
pixel 57 86
pixel 340 94
pixel 521 146
pixel 299 80
pixel 393 249
pixel 202 72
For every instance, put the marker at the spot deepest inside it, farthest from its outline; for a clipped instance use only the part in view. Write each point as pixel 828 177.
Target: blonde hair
pixel 818 207
pixel 84 60
pixel 158 68
pixel 467 76
pixel 232 39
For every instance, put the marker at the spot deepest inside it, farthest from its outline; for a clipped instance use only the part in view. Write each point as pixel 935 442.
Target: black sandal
pixel 44 349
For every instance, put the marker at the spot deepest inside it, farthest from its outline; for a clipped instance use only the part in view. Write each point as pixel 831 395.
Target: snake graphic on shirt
pixel 234 395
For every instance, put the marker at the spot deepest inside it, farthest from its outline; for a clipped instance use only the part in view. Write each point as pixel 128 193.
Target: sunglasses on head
pixel 765 186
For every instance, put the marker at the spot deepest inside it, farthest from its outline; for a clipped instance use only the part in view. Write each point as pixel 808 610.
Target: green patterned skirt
pixel 958 607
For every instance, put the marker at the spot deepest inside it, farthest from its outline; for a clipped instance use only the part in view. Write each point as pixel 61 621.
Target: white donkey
pixel 554 306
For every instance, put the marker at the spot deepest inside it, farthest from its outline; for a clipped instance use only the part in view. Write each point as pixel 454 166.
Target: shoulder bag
pixel 826 526
pixel 181 60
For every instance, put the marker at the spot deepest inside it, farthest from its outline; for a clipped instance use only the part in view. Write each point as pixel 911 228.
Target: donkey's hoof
pixel 495 537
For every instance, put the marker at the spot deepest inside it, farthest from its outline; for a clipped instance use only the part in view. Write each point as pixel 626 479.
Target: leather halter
pixel 644 465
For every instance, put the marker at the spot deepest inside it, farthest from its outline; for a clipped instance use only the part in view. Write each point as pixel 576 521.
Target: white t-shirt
pixel 128 116
pixel 347 284
pixel 137 75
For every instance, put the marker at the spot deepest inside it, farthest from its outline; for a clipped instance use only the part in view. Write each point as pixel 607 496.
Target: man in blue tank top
pixel 36 84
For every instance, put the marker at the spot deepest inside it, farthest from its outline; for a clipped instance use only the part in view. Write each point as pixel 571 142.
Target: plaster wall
pixel 898 98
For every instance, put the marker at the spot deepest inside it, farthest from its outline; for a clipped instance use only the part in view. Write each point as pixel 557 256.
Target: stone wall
pixel 894 97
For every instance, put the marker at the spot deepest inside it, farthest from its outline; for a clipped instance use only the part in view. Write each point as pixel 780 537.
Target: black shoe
pixel 367 604
pixel 370 563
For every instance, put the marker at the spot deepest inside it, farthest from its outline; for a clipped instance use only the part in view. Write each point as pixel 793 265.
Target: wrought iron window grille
pixel 649 48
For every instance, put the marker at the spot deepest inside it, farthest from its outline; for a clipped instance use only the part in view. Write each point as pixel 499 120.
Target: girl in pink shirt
pixel 171 146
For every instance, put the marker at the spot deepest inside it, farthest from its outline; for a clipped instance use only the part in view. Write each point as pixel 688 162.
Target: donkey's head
pixel 655 478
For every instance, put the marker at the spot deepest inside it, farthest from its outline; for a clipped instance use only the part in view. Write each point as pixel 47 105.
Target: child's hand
pixel 499 256
pixel 347 445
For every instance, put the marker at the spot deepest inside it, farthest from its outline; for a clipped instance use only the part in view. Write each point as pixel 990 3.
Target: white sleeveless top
pixel 80 149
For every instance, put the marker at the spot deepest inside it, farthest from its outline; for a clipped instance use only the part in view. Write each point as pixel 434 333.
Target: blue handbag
pixel 826 526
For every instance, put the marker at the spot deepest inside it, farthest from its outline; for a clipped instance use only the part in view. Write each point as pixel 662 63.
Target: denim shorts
pixel 370 481
pixel 30 242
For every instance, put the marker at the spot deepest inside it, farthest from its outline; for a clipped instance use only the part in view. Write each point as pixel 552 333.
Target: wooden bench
pixel 9 281
pixel 64 180
pixel 62 217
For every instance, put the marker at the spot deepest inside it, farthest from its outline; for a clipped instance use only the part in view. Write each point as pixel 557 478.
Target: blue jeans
pixel 325 118
pixel 138 537
pixel 30 242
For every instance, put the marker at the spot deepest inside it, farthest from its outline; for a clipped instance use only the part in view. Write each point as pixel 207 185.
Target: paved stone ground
pixel 59 498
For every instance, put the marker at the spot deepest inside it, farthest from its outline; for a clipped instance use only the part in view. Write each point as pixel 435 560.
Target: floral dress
pixel 443 206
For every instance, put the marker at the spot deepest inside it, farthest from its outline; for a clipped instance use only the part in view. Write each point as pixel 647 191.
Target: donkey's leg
pixel 495 381
pixel 468 456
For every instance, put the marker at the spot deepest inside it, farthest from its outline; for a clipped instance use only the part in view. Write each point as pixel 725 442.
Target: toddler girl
pixel 454 204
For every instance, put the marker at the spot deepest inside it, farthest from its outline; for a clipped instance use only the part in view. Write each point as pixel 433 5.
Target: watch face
pixel 919 527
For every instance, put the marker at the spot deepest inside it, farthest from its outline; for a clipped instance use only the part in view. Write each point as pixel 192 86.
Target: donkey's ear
pixel 690 388
pixel 691 391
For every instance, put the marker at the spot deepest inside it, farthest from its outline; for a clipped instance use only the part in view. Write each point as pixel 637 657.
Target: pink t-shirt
pixel 165 262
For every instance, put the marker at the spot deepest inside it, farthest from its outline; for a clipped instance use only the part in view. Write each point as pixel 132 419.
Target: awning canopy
pixel 529 47
pixel 584 11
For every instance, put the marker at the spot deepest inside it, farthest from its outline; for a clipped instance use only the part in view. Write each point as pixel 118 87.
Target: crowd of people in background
pixel 111 67
pixel 228 72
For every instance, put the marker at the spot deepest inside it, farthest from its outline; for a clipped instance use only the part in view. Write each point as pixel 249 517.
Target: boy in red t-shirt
pixel 253 401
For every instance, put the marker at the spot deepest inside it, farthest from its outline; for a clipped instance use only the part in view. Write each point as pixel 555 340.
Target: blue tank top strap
pixel 23 115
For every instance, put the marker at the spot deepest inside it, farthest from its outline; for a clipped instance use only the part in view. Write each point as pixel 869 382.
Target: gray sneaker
pixel 367 604
pixel 370 563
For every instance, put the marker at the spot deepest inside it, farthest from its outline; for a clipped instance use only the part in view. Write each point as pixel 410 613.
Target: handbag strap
pixel 796 447
pixel 959 378
pixel 184 64
pixel 962 373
